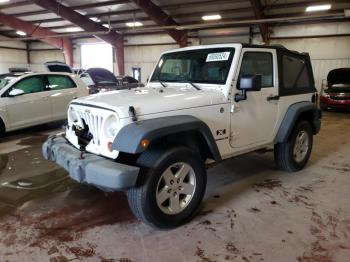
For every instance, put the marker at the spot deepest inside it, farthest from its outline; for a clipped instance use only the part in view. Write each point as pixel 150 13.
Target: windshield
pixel 5 81
pixel 209 66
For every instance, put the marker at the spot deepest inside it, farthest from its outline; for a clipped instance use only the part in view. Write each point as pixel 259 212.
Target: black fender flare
pixel 291 117
pixel 129 138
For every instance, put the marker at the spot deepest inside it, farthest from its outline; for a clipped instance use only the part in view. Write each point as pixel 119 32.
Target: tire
pixel 155 179
pixel 2 129
pixel 285 156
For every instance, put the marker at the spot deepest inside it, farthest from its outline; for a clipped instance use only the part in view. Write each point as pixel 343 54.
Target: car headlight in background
pixel 111 126
pixel 72 115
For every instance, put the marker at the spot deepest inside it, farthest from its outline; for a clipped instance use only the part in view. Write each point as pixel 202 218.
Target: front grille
pixel 340 97
pixel 94 123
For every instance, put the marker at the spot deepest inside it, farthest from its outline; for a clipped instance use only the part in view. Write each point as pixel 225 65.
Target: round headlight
pixel 111 126
pixel 72 115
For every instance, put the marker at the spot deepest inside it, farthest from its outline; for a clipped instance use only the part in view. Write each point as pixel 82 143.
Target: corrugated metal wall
pixel 326 53
pixel 12 58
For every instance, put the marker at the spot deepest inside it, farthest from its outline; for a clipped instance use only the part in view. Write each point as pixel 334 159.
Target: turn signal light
pixel 144 143
pixel 110 146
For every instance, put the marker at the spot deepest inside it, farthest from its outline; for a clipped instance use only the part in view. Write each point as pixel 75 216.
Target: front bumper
pixel 326 102
pixel 91 169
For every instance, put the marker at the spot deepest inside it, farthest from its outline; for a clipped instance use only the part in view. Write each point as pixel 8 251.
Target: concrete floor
pixel 251 212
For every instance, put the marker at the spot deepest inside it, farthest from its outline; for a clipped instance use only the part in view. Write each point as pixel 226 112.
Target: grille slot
pixel 94 123
pixel 340 97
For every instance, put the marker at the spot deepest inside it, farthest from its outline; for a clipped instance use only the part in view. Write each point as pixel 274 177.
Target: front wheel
pixel 2 128
pixel 170 188
pixel 293 154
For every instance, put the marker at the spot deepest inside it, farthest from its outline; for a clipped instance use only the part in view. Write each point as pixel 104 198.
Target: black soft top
pixel 280 48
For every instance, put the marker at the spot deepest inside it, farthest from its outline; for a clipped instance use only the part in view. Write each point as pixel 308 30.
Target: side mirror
pixel 248 84
pixel 16 92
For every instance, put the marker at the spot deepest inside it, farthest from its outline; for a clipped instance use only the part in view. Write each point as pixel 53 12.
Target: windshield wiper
pixel 157 80
pixel 195 86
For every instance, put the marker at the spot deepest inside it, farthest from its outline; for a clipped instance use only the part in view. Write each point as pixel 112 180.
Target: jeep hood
pixel 152 100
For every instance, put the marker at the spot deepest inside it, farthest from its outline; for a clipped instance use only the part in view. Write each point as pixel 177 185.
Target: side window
pixel 295 73
pixel 57 82
pixel 31 84
pixel 258 63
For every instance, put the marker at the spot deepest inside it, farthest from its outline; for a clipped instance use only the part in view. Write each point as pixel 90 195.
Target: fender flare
pixel 130 136
pixel 291 117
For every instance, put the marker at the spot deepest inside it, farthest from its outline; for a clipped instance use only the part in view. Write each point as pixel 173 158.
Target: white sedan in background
pixel 31 99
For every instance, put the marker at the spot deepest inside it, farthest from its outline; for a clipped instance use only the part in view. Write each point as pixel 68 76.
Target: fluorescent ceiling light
pixel 95 19
pixel 106 25
pixel 21 33
pixel 134 24
pixel 73 29
pixel 211 17
pixel 4 1
pixel 314 8
pixel 81 12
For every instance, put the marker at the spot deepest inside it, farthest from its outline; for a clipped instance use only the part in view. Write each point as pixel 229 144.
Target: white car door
pixel 253 120
pixel 31 108
pixel 62 89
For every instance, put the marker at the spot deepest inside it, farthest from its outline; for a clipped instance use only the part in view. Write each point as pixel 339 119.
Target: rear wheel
pixel 170 189
pixel 2 128
pixel 293 154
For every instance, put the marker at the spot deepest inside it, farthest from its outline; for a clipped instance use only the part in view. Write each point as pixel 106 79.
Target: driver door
pixel 31 108
pixel 253 120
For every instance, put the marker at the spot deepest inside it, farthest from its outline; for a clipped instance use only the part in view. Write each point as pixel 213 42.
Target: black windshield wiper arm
pixel 195 86
pixel 157 80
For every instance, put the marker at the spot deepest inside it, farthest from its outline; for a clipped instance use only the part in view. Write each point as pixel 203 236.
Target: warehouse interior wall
pixel 143 52
pixel 12 57
pixel 41 53
pixel 326 53
pixel 139 52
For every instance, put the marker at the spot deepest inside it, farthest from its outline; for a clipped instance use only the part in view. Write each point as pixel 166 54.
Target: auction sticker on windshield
pixel 223 56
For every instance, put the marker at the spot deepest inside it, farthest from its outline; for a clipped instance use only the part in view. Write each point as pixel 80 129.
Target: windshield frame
pixel 232 48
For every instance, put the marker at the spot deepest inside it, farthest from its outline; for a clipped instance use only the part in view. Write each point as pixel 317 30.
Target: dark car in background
pixel 128 82
pixel 102 80
pixel 57 66
pixel 336 94
pixel 99 79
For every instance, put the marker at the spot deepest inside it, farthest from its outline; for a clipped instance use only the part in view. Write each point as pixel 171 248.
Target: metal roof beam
pixel 162 19
pixel 201 3
pixel 75 7
pixel 259 14
pixel 40 32
pixel 111 37
pixel 15 4
pixel 301 4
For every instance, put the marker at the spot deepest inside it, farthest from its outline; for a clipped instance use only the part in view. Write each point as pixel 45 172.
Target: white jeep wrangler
pixel 201 105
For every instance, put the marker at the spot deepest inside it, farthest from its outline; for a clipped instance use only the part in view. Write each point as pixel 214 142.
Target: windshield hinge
pixel 132 113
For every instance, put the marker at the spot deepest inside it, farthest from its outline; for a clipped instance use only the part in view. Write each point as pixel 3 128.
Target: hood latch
pixel 132 113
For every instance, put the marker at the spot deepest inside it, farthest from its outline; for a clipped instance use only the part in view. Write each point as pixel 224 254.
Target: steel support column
pixel 111 37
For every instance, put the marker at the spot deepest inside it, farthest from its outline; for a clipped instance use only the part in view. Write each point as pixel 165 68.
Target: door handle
pixel 272 97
